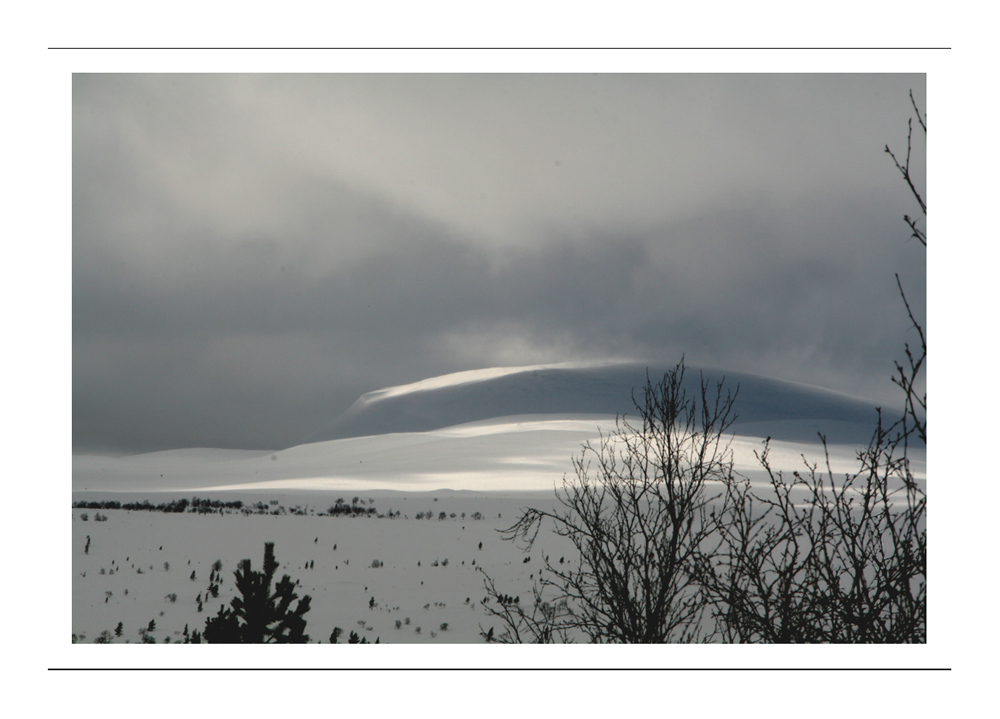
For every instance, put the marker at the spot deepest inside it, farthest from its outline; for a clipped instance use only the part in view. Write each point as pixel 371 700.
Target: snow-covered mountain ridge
pixel 490 430
pixel 600 389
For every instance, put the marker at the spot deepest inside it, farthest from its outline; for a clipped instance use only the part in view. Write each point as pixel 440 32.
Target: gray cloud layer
pixel 251 253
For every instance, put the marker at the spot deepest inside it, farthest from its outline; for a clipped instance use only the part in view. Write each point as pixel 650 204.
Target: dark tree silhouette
pixel 909 378
pixel 258 615
pixel 637 512
pixel 822 558
pixel 811 558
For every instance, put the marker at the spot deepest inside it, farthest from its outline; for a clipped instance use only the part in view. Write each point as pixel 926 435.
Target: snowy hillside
pixel 780 409
pixel 488 430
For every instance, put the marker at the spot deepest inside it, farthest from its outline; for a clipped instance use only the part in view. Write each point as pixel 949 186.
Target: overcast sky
pixel 252 253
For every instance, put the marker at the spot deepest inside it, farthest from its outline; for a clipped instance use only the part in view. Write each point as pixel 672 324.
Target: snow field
pixel 426 572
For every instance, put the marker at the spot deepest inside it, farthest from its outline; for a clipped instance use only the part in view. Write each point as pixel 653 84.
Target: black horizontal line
pixel 501 669
pixel 499 48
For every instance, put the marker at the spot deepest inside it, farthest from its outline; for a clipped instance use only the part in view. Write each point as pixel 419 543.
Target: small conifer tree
pixel 258 615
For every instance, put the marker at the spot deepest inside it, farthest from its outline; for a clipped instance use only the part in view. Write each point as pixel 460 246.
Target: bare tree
pixel 909 378
pixel 825 559
pixel 637 510
pixel 536 622
pixel 820 558
pixel 813 557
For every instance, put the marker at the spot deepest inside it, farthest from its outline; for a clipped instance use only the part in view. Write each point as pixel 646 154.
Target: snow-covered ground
pixel 468 451
pixel 508 453
pixel 422 573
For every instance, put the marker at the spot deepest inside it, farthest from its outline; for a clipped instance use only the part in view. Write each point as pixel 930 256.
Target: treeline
pixel 208 506
pixel 195 504
pixel 354 509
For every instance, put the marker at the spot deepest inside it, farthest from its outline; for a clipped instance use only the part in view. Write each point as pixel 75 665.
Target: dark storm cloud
pixel 250 254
